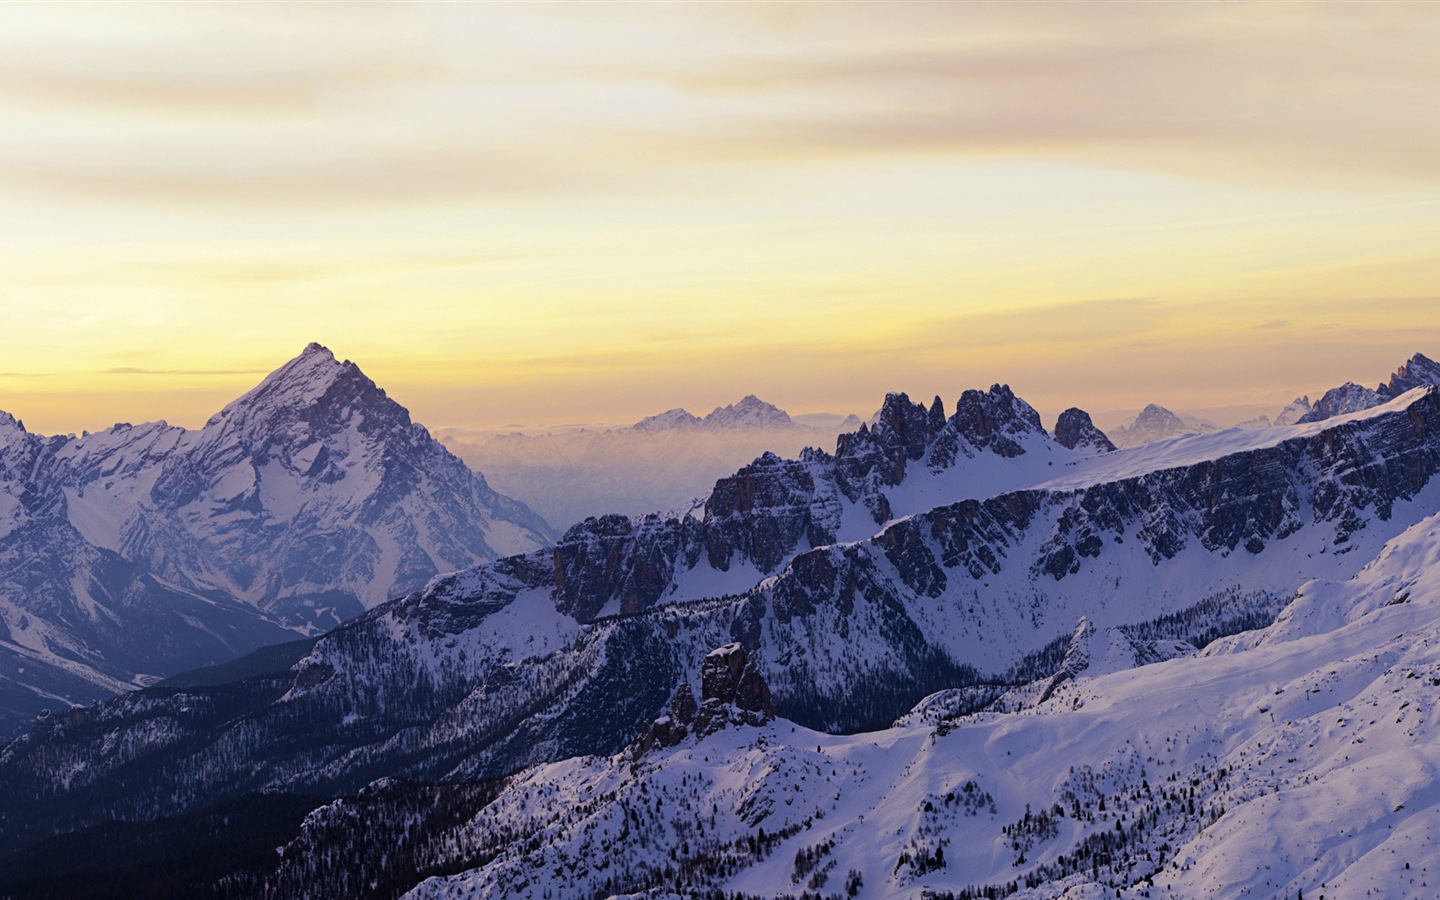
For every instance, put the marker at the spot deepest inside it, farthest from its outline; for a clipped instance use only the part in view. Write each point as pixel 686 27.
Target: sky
pixel 541 213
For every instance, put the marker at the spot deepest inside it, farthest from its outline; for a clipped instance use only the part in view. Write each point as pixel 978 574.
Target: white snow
pixel 1312 759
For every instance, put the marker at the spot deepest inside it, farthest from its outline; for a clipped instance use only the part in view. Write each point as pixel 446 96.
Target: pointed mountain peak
pixel 1420 370
pixel 1347 398
pixel 308 375
pixel 303 382
pixel 670 418
pixel 1075 430
pixel 896 412
pixel 982 412
pixel 1156 423
pixel 750 412
pixel 11 428
pixel 1292 413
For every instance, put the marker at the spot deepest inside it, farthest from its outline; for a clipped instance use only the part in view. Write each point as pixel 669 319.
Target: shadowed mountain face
pixel 145 550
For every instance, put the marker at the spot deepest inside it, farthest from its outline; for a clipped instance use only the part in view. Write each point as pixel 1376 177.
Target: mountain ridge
pixel 947 598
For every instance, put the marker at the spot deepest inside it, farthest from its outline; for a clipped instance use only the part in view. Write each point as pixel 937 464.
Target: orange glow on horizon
pixel 548 213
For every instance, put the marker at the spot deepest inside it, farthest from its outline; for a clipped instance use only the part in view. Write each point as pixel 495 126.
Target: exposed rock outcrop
pixel 1074 429
pixel 732 691
pixel 1419 371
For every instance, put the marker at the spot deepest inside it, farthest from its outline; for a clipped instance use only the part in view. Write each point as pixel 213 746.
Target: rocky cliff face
pixel 733 693
pixel 754 521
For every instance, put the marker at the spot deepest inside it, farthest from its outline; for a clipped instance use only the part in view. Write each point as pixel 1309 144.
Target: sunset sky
pixel 538 213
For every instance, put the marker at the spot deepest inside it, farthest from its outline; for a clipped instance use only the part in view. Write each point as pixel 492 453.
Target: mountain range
pixel 142 551
pixel 1156 423
pixel 664 461
pixel 750 412
pixel 960 656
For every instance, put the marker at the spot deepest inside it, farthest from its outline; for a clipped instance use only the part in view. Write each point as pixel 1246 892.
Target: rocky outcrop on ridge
pixel 1074 430
pixel 732 691
pixel 1418 371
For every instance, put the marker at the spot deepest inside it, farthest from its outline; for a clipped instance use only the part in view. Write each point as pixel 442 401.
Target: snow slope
pixel 1304 757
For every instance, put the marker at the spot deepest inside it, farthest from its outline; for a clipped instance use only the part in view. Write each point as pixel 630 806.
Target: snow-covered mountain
pixel 1293 412
pixel 1418 371
pixel 750 412
pixel 930 553
pixel 1156 423
pixel 1347 398
pixel 145 550
pixel 1297 760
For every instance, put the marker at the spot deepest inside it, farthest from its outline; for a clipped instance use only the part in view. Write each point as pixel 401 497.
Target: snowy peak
pixel 669 419
pixel 1156 423
pixel 302 503
pixel 12 431
pixel 10 423
pixel 1418 372
pixel 305 388
pixel 750 412
pixel 1343 400
pixel 1294 412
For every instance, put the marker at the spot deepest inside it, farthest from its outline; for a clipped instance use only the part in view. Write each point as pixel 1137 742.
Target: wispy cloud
pixel 406 103
pixel 132 370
